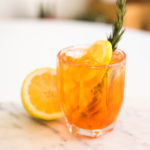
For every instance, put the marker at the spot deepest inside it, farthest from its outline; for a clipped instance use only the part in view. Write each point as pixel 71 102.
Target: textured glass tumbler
pixel 91 96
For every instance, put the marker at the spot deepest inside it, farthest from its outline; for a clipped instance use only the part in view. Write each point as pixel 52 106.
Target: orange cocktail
pixel 91 94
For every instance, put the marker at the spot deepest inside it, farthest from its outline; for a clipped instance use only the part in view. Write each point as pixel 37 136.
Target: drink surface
pixel 91 94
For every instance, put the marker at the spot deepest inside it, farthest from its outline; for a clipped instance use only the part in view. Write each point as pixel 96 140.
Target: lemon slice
pixel 39 94
pixel 101 51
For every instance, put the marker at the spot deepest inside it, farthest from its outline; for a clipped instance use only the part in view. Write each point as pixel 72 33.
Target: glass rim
pixel 86 65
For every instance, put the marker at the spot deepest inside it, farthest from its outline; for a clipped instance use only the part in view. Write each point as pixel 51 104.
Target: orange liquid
pixel 91 97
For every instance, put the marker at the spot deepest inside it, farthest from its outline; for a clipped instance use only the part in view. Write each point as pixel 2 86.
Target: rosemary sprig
pixel 118 31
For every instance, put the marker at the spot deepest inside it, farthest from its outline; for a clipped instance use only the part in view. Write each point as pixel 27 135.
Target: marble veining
pixel 19 131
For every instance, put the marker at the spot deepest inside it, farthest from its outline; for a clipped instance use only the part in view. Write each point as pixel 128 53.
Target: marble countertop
pixel 18 131
pixel 27 45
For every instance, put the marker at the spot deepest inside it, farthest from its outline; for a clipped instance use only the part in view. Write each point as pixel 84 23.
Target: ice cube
pixel 78 53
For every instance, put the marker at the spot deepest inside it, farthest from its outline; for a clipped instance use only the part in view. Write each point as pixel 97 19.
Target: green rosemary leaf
pixel 118 31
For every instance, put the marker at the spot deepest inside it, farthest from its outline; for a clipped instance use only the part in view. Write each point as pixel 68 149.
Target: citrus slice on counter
pixel 39 94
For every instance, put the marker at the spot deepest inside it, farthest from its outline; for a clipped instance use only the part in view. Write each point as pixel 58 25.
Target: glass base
pixel 90 133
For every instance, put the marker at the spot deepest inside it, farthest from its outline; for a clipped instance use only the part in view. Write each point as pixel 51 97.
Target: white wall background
pixel 30 8
pixel 18 8
pixel 71 8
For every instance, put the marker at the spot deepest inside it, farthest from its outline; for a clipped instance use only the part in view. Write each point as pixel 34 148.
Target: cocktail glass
pixel 91 95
